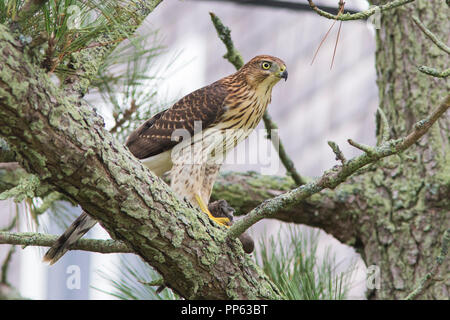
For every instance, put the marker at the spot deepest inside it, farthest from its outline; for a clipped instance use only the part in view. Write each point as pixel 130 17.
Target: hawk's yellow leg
pixel 204 208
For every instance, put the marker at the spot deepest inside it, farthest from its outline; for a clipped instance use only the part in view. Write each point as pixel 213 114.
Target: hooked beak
pixel 283 75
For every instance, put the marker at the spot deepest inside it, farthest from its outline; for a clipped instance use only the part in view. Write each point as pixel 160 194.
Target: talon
pixel 222 221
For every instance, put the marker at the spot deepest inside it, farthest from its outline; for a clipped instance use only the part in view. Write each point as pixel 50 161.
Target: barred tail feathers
pixel 76 230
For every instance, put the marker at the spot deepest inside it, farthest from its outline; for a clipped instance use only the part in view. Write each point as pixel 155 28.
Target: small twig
pixel 235 58
pixel 435 73
pixel 337 151
pixel 271 127
pixel 45 240
pixel 367 149
pixel 360 15
pixel 427 280
pixel 386 130
pixel 441 45
pixel 422 126
pixel 431 35
pixel 224 33
pixel 11 225
pixel 49 62
pixel 5 266
pixel 126 115
pixel 332 178
pixel 154 283
pixel 160 283
pixel 47 202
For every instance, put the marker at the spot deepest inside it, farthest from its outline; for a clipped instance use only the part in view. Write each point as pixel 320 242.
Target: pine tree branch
pixel 235 58
pixel 333 177
pixel 46 240
pixel 431 35
pixel 360 15
pixel 434 72
pixel 87 62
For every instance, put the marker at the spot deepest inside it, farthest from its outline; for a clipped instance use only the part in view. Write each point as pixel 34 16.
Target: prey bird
pixel 211 121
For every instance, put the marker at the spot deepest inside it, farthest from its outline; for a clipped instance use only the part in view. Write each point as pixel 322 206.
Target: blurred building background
pixel 315 105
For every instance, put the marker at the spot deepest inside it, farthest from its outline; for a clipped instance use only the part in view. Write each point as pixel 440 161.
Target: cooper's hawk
pixel 191 138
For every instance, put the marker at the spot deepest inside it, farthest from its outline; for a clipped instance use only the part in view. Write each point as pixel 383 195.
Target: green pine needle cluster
pixel 290 259
pixel 58 28
pixel 128 82
pixel 134 281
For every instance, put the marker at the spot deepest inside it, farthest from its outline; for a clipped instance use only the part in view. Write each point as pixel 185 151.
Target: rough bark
pixel 63 142
pixel 408 206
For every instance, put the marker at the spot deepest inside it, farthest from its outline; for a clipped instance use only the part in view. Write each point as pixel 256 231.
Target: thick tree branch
pixel 59 139
pixel 46 240
pixel 235 58
pixel 332 178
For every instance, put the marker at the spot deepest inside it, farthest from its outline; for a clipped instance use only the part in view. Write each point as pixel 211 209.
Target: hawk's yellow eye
pixel 266 65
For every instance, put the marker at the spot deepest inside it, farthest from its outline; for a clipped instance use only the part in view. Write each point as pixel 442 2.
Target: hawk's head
pixel 264 71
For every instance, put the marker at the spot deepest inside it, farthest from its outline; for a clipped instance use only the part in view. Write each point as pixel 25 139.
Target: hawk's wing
pixel 154 135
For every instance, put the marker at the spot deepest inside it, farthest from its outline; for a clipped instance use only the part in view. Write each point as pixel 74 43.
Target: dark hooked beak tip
pixel 284 75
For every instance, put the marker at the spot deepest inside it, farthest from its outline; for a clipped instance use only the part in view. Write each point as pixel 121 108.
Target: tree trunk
pixel 402 227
